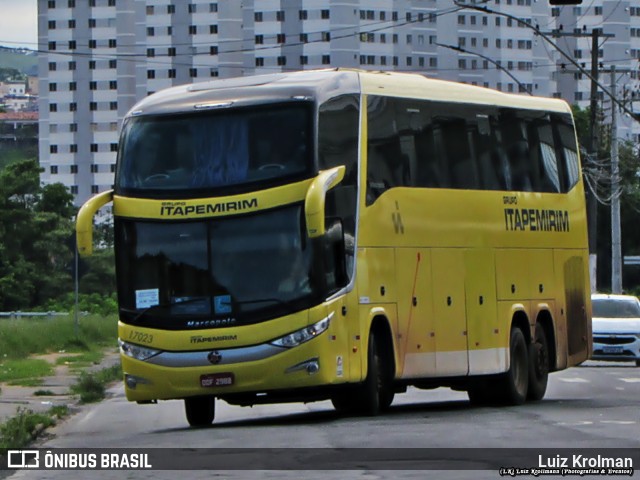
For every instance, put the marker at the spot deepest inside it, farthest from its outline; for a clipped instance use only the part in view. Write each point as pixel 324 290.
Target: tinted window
pixel 214 150
pixel 451 145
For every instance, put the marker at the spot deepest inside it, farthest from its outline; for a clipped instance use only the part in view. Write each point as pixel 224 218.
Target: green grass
pixel 23 428
pixel 25 372
pixel 24 337
pixel 83 359
pixel 91 386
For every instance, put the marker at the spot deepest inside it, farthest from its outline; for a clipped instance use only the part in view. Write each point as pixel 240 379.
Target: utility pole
pixel 592 145
pixel 616 246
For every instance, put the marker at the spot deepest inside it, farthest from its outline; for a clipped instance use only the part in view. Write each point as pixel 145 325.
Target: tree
pixel 35 222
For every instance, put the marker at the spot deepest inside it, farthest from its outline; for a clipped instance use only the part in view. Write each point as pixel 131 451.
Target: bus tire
pixel 376 393
pixel 514 383
pixel 538 365
pixel 200 411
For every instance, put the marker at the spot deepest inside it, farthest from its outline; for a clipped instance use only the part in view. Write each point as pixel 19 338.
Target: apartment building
pixel 104 55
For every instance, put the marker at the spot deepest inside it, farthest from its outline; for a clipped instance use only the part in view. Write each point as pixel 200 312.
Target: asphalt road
pixel 592 406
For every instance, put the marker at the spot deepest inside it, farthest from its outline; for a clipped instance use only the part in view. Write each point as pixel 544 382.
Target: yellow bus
pixel 342 234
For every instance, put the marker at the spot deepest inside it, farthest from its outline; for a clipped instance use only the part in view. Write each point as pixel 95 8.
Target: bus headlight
pixel 303 335
pixel 136 351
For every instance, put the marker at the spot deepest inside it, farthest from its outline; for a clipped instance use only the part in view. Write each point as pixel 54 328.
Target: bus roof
pixel 323 84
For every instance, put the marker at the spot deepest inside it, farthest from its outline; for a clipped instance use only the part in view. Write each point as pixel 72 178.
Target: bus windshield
pixel 214 149
pixel 216 273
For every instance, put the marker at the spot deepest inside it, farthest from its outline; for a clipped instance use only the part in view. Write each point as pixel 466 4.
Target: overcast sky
pixel 19 23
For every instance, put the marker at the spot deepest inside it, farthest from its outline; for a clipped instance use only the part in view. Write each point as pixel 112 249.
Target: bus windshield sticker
pixel 147 298
pixel 222 304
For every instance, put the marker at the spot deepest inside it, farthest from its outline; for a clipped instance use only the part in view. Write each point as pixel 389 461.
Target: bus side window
pixel 485 148
pixel 461 164
pixel 569 163
pixel 516 147
pixel 549 162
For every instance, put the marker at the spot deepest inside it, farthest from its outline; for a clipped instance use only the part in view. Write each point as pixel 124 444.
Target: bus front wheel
pixel 376 393
pixel 200 411
pixel 538 365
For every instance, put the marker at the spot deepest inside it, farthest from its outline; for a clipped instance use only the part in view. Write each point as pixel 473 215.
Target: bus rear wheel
pixel 200 411
pixel 538 365
pixel 514 383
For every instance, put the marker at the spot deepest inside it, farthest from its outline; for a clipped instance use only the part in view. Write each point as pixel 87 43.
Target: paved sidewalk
pixel 13 397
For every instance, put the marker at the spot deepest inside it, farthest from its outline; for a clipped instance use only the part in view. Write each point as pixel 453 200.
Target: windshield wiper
pixel 145 311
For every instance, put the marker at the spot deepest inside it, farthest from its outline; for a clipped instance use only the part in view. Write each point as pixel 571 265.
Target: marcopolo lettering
pixel 180 210
pixel 536 220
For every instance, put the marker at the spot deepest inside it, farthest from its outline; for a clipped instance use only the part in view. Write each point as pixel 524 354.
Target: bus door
pixel 448 294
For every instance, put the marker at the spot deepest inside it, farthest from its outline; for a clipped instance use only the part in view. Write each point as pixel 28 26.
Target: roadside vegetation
pixel 22 429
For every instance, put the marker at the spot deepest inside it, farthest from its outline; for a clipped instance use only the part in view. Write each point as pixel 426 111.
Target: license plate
pixel 217 379
pixel 612 349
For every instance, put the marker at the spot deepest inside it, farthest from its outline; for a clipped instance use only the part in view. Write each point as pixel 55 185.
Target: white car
pixel 616 328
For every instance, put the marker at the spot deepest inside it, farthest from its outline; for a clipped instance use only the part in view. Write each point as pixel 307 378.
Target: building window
pixel 53 149
pixel 113 84
pixel 259 39
pixel 52 45
pixel 171 8
pixel 74 189
pixel 94 167
pixel 53 107
pixel 112 168
pixel 113 105
pixel 94 189
pixel 73 86
pixel 51 4
pixel 171 51
pixel 192 8
pixel 73 127
pixel 281 38
pixel 171 73
pixel 304 37
pixel 326 59
pixel 259 62
pixel 94 149
pixel 303 14
pixel 257 16
pixel 304 60
pixel 280 15
pixel 193 72
pixel 149 9
pixel 73 148
pixel 151 52
pixel 93 106
pixel 111 3
pixel 151 31
pixel 71 3
pixel 93 43
pixel 72 65
pixel 92 23
pixel 93 85
pixel 213 7
pixel 282 60
pixel 193 29
pixel 53 87
pixel 73 169
pixel 324 14
pixel 52 24
pixel 73 107
pixel 112 43
pixel 53 169
pixel 213 29
pixel 151 74
pixel 326 36
pixel 113 147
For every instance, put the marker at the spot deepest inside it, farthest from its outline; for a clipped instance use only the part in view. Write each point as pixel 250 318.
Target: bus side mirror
pixel 84 221
pixel 315 199
pixel 334 255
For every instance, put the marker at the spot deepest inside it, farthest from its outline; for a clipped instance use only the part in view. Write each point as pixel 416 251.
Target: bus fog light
pixel 132 381
pixel 136 351
pixel 303 335
pixel 311 366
